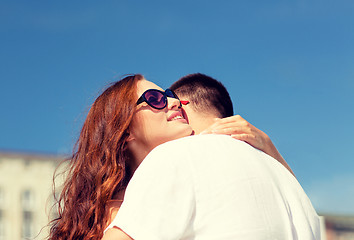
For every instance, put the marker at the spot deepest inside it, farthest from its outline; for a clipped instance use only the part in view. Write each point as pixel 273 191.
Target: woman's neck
pixel 138 155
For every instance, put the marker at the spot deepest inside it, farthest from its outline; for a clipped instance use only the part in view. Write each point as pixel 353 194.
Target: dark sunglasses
pixel 157 99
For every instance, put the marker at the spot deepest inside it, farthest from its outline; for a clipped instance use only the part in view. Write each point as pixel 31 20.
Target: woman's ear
pixel 131 136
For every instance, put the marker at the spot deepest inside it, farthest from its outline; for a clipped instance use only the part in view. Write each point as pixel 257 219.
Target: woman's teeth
pixel 177 117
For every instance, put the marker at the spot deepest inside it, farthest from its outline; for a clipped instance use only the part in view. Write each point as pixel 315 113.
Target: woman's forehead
pixel 144 85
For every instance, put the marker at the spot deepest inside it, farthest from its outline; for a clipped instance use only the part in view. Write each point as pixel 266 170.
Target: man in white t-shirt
pixel 208 106
pixel 214 187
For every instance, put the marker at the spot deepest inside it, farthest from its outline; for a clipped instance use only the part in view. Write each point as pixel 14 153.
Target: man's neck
pixel 202 122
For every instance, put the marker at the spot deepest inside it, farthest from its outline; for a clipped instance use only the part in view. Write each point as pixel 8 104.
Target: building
pixel 25 194
pixel 339 227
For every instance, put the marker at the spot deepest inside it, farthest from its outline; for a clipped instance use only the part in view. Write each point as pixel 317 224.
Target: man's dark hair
pixel 205 94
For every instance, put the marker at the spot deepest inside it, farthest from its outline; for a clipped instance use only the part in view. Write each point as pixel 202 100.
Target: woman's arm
pixel 240 129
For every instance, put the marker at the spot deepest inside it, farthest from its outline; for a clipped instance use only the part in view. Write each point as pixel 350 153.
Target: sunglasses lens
pixel 171 94
pixel 156 99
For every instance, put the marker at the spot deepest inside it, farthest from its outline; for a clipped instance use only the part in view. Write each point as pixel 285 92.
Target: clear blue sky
pixel 289 67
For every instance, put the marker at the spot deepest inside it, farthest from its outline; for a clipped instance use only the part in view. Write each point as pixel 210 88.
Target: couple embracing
pixel 194 170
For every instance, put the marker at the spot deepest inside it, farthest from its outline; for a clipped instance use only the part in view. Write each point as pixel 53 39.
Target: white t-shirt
pixel 215 187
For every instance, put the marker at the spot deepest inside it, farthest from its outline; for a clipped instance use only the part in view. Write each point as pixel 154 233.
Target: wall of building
pixel 25 194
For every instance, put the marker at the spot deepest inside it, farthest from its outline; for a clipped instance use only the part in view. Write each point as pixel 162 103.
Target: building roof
pixel 30 155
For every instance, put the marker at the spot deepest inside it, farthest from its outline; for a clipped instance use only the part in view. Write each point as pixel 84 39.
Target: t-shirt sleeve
pixel 159 201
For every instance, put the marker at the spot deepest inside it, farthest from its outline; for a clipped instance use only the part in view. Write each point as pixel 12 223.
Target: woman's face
pixel 151 127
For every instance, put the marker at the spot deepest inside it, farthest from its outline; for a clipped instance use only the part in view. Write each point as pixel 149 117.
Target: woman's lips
pixel 177 116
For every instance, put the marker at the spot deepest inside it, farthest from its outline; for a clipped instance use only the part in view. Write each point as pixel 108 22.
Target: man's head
pixel 208 99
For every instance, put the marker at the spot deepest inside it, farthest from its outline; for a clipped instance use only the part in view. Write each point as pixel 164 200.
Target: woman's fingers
pixel 253 140
pixel 232 125
pixel 240 129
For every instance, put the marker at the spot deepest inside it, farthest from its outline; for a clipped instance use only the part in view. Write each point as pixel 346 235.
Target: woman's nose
pixel 174 103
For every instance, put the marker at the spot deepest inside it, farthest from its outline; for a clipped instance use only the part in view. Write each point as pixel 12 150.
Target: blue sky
pixel 289 67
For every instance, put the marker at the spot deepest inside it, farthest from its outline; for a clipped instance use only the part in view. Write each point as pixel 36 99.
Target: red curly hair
pixel 99 167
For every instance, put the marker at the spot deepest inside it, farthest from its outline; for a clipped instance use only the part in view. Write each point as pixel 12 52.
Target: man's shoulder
pixel 183 147
pixel 200 143
pixel 193 149
pixel 199 140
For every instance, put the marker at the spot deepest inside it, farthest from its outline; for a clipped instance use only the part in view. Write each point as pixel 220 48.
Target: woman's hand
pixel 240 129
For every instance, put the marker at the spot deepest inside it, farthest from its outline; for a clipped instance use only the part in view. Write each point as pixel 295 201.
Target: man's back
pixel 215 187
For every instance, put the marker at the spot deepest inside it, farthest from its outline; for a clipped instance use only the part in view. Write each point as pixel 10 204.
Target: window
pixel 2 199
pixel 2 217
pixel 27 201
pixel 2 225
pixel 27 225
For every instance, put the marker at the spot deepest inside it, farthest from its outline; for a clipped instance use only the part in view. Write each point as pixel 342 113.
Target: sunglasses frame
pixel 166 94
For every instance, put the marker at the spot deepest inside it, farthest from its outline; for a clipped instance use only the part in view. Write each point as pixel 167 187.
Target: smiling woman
pixel 118 133
pixel 150 126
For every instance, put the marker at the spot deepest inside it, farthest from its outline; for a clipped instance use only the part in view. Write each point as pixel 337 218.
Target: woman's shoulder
pixel 113 207
pixel 115 233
